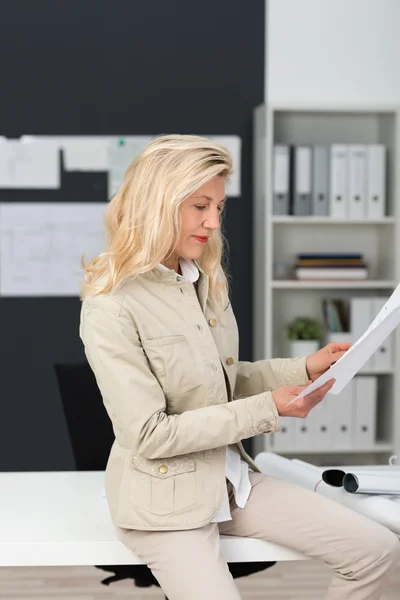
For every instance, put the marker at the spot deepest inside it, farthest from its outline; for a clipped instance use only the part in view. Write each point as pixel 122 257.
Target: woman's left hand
pixel 318 363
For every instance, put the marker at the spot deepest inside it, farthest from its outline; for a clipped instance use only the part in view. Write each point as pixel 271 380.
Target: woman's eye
pixel 201 207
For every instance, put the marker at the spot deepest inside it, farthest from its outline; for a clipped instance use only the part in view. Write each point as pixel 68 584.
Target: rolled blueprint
pixel 365 480
pixel 380 509
pixel 302 474
pixel 333 477
pixel 372 483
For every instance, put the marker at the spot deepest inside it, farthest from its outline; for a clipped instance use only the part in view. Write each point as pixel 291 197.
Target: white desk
pixel 60 518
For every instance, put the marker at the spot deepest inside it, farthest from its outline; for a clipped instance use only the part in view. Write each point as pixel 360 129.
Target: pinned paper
pixel 41 246
pixel 233 144
pixel 121 152
pixel 80 153
pixel 32 165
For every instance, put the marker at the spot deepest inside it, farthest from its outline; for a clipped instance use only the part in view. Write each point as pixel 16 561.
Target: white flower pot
pixel 299 348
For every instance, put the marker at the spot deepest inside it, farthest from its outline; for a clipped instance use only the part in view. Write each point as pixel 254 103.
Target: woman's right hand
pixel 283 395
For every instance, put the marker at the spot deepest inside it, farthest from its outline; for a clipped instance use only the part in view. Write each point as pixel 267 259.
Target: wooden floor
pixel 303 580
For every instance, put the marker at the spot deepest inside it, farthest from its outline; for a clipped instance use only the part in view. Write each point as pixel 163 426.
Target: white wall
pixel 333 51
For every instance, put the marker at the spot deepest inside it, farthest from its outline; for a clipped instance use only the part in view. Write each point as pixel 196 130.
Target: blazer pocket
pixel 173 362
pixel 163 486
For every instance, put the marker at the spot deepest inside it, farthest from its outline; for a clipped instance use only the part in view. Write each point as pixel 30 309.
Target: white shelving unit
pixel 280 238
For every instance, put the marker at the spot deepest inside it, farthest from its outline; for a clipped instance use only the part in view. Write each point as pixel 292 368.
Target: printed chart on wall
pixel 41 246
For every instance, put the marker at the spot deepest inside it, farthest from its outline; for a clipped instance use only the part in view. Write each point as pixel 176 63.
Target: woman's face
pixel 200 215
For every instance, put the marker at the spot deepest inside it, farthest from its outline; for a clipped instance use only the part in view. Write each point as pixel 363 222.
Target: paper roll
pixel 274 465
pixel 334 477
pixel 371 483
pixel 380 509
pixel 364 480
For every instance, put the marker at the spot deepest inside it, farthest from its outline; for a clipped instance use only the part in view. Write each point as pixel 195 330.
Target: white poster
pixel 41 246
pixel 32 165
pixel 233 144
pixel 121 153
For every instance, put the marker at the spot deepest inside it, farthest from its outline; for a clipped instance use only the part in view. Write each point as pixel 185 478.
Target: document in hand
pixel 358 354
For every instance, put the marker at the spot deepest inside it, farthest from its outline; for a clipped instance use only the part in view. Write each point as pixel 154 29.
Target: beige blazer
pixel 168 370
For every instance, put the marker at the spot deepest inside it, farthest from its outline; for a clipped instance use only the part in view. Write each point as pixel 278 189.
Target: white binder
pixel 301 193
pixel 322 425
pixel 339 181
pixel 341 417
pixel 376 181
pixel 357 182
pixel 361 316
pixel 383 357
pixel 304 433
pixel 365 404
pixel 281 180
pixel 285 439
pixel 320 181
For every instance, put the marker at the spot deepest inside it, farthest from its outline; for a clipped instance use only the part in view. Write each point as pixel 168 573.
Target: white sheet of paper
pixel 351 362
pixel 41 246
pixel 85 154
pixel 32 165
pixel 121 152
pixel 233 143
pixel 80 152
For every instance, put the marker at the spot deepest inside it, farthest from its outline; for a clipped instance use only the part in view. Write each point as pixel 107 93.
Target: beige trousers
pixel 189 564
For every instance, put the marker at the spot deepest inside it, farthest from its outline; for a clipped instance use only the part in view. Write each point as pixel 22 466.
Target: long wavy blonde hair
pixel 142 220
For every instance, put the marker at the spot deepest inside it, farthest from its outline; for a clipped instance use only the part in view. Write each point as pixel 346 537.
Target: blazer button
pixel 229 360
pixel 212 322
pixel 163 469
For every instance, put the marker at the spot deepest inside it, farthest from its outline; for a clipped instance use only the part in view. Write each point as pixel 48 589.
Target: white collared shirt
pixel 236 469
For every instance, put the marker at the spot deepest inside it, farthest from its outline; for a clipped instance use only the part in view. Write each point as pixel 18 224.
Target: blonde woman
pixel 161 337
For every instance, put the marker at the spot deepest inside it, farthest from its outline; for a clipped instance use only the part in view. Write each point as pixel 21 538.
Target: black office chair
pixel 92 436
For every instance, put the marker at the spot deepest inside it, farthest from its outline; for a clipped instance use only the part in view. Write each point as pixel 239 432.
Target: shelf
pixel 334 108
pixel 378 372
pixel 382 447
pixel 294 284
pixel 310 220
pixel 279 296
pixel 390 371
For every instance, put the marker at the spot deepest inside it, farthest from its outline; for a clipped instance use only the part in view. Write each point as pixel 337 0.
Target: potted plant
pixel 304 336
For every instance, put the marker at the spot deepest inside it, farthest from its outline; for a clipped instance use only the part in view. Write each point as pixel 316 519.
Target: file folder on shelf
pixel 305 432
pixel 320 181
pixel 361 315
pixel 383 356
pixel 341 416
pixel 281 179
pixel 339 181
pixel 376 181
pixel 357 182
pixel 364 412
pixel 285 439
pixel 301 180
pixel 322 425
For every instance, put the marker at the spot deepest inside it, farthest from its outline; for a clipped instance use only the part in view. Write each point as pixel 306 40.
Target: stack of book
pixel 330 266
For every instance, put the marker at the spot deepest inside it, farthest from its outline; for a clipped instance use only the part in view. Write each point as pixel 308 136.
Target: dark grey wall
pixel 114 67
